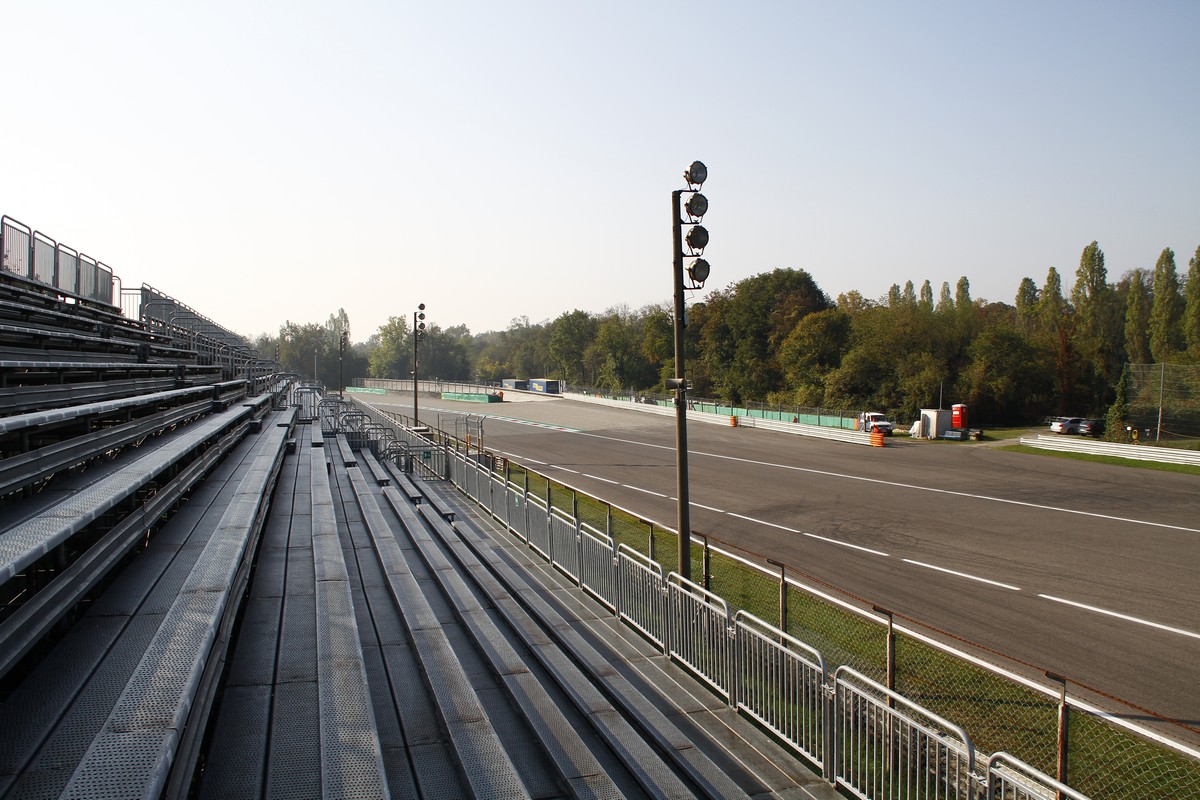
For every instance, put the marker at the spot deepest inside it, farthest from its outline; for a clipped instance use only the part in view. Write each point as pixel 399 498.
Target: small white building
pixel 932 423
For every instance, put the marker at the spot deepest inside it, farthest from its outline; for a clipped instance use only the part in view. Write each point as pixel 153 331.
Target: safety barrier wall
pixel 35 256
pixel 723 417
pixel 840 724
pixel 1137 452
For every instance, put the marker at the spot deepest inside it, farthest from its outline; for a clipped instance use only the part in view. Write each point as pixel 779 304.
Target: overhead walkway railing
pixel 189 329
pixel 34 256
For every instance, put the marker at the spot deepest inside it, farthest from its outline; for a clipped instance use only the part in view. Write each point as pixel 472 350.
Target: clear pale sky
pixel 272 161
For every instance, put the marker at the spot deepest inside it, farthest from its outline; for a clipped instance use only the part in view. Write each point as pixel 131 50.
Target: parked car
pixel 1066 425
pixel 874 422
pixel 1092 427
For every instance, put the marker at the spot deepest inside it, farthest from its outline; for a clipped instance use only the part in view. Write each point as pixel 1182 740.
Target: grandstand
pixel 210 587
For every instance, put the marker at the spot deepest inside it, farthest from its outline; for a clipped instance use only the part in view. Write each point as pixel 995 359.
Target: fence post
pixel 891 651
pixel 650 549
pixel 706 565
pixel 1064 719
pixel 783 612
pixel 549 521
pixel 525 505
pixel 578 537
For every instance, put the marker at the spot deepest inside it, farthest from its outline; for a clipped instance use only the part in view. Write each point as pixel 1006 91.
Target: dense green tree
pixel 443 353
pixel 525 350
pixel 618 342
pixel 1098 327
pixel 311 348
pixel 1166 312
pixel 853 302
pixel 810 352
pixel 392 358
pixel 740 350
pixel 657 347
pixel 1117 418
pixel 570 336
pixel 1008 378
pixel 1137 319
pixel 1191 308
pixel 1026 305
pixel 926 299
pixel 1056 322
pixel 945 304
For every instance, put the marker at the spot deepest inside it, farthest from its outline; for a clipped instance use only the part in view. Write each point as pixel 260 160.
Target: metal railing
pixel 887 746
pixel 1137 452
pixel 35 256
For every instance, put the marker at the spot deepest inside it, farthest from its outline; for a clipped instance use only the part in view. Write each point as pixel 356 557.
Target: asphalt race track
pixel 1086 570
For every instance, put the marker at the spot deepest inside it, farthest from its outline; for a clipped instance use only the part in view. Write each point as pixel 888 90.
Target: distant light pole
pixel 697 272
pixel 315 379
pixel 342 342
pixel 418 335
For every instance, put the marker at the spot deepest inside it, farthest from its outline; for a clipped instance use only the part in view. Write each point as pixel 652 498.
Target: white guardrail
pixel 1137 452
pixel 796 428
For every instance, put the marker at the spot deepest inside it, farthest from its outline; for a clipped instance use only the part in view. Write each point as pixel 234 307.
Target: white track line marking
pixel 845 544
pixel 709 508
pixel 645 491
pixel 598 478
pixel 1125 617
pixel 899 485
pixel 962 574
pixel 763 522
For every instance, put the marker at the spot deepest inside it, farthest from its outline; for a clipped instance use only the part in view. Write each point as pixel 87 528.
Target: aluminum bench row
pixel 403 483
pixel 119 707
pixel 19 399
pixel 17 288
pixel 344 449
pixel 24 470
pixel 68 317
pixel 48 339
pixel 66 414
pixel 563 707
pixel 33 372
pixel 297 715
pixel 25 540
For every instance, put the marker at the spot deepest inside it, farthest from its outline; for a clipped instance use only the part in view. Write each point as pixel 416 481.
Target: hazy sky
pixel 272 161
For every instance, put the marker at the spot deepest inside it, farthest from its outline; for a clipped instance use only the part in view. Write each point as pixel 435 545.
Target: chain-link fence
pixel 1164 402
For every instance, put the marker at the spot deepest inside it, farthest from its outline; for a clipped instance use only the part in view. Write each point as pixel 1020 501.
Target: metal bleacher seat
pixel 119 707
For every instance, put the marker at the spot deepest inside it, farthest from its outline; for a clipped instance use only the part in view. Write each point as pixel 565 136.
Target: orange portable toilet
pixel 958 415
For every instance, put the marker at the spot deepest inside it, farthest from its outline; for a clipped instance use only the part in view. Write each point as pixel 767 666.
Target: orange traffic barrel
pixel 876 439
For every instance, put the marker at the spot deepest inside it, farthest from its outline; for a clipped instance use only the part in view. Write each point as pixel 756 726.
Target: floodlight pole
pixel 416 413
pixel 681 451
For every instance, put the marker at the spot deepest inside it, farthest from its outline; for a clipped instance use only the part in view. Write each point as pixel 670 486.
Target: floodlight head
pixel 420 306
pixel 698 271
pixel 696 206
pixel 697 238
pixel 696 174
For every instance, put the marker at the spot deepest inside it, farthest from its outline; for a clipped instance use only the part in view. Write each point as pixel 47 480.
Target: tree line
pixel 776 337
